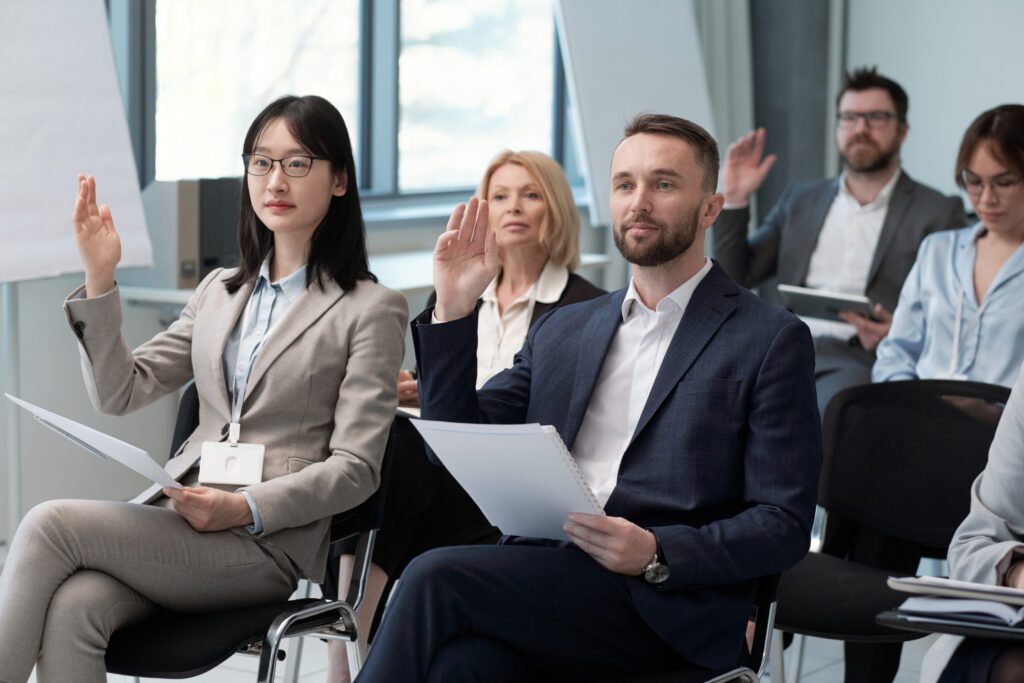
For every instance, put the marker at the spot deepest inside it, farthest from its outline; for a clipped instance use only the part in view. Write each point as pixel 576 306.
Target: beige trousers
pixel 78 570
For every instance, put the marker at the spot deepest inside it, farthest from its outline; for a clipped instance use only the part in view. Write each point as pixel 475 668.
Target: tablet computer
pixel 819 303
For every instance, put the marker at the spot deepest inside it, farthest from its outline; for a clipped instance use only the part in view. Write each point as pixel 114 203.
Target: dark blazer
pixel 783 244
pixel 576 289
pixel 724 462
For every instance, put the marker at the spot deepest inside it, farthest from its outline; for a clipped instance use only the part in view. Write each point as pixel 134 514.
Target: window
pixel 430 89
pixel 219 63
pixel 474 78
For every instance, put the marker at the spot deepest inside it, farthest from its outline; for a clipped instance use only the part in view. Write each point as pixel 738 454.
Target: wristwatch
pixel 655 572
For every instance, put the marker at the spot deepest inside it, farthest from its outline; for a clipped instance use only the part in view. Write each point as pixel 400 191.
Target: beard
pixel 663 246
pixel 867 158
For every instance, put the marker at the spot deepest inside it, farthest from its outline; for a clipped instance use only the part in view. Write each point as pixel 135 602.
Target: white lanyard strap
pixel 249 345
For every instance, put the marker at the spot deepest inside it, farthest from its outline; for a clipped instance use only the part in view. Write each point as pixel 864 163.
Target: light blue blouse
pixel 940 331
pixel 268 303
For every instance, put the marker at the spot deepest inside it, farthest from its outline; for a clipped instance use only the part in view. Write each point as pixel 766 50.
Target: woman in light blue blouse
pixel 961 310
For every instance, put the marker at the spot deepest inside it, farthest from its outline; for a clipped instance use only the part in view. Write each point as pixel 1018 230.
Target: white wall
pixel 955 60
pixel 50 375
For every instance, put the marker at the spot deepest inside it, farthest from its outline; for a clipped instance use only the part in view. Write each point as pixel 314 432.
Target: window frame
pixel 133 39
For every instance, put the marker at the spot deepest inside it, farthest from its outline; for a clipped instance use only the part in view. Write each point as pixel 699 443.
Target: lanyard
pixel 247 357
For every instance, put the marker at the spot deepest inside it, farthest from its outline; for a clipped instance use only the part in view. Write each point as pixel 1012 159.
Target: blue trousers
pixel 513 613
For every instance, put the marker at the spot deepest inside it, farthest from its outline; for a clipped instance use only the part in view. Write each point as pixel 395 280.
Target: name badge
pixel 236 464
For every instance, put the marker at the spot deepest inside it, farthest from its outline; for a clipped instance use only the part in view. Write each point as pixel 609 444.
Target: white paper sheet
pixel 101 445
pixel 520 476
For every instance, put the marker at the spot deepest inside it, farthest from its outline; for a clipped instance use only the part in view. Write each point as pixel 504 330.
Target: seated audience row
pixel 687 402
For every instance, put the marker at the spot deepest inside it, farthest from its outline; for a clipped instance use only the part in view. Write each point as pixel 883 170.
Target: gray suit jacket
pixel 320 398
pixel 782 246
pixel 992 535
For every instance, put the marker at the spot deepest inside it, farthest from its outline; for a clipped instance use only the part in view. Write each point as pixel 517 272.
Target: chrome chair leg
pixel 778 658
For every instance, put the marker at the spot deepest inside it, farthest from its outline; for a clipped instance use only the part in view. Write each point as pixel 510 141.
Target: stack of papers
pixel 947 600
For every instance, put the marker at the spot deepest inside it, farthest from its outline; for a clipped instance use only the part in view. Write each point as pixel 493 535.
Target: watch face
pixel 656 573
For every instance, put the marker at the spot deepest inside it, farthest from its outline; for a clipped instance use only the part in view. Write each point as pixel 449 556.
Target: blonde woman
pixel 536 225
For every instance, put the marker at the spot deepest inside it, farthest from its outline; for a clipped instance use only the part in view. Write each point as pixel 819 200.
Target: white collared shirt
pixel 625 382
pixel 501 335
pixel 845 249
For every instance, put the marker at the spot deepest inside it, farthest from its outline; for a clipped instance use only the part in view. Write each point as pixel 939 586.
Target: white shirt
pixel 501 335
pixel 846 246
pixel 626 378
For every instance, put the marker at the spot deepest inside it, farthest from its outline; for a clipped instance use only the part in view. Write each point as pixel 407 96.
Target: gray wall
pixel 955 60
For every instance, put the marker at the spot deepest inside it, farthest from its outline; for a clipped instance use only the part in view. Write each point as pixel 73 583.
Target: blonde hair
pixel 560 231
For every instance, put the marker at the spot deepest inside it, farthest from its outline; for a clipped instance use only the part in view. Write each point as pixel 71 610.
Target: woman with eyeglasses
pixel 536 225
pixel 961 310
pixel 294 355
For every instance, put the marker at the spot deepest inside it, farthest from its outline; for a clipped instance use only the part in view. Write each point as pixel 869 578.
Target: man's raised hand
pixel 744 169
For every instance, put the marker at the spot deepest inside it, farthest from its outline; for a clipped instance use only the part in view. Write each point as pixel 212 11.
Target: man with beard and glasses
pixel 688 404
pixel 854 234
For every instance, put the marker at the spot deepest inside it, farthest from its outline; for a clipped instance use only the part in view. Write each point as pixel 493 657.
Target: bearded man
pixel 688 404
pixel 854 234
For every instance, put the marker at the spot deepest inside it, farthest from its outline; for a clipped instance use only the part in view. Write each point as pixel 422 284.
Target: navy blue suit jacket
pixel 724 462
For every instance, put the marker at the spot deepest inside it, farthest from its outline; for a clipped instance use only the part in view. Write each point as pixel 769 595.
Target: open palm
pixel 99 245
pixel 745 167
pixel 465 260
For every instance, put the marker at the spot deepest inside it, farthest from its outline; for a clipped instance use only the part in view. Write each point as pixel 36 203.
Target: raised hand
pixel 744 169
pixel 465 261
pixel 99 245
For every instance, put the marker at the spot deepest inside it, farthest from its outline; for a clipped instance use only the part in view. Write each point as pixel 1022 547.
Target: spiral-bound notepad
pixel 522 477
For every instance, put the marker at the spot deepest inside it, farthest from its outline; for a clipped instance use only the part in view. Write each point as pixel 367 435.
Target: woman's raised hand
pixel 99 245
pixel 465 261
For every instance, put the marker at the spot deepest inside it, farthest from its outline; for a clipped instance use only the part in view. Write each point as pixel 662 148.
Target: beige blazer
pixel 991 538
pixel 320 398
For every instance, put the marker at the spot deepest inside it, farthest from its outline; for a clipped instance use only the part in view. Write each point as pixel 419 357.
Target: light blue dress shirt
pixel 268 304
pixel 939 330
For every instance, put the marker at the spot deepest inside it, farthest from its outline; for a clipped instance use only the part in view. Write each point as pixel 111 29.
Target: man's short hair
pixel 704 146
pixel 866 78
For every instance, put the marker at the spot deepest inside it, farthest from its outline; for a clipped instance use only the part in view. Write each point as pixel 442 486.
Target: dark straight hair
pixel 337 250
pixel 1003 129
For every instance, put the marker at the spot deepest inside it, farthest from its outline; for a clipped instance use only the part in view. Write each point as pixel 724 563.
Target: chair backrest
pixel 368 516
pixel 900 456
pixel 188 417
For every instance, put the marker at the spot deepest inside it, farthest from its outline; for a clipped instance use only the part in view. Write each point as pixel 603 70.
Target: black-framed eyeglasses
pixel 293 167
pixel 873 119
pixel 1003 186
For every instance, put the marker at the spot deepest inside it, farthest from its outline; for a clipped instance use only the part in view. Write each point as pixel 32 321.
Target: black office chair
pixel 900 458
pixel 751 666
pixel 176 645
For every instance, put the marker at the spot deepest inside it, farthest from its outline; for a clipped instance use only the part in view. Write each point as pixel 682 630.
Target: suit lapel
pixel 811 226
pixel 707 310
pixel 313 303
pixel 595 340
pixel 902 196
pixel 226 315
